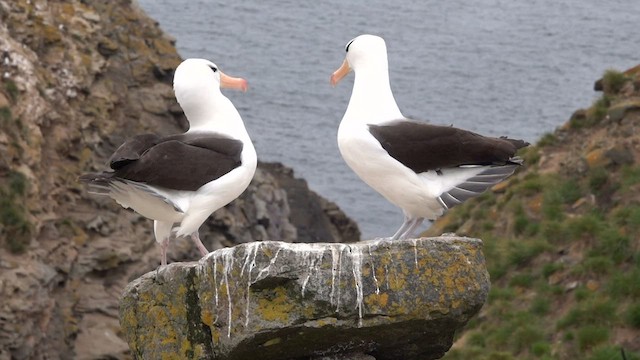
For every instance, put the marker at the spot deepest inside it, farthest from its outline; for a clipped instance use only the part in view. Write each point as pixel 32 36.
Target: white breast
pixel 397 183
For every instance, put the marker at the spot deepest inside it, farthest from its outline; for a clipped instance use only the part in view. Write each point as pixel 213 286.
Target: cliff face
pixel 77 78
pixel 562 240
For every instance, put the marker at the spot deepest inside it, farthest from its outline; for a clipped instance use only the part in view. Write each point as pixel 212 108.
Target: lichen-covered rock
pixel 386 299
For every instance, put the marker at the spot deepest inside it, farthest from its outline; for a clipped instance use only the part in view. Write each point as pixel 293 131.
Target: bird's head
pixel 201 75
pixel 362 52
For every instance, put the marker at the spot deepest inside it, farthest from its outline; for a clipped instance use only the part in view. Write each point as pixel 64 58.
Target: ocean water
pixel 497 67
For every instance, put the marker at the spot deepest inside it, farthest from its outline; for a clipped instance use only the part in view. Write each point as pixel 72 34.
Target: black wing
pixel 132 149
pixel 422 147
pixel 179 162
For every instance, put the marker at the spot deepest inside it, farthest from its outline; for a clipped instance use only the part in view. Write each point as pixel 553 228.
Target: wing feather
pixel 423 147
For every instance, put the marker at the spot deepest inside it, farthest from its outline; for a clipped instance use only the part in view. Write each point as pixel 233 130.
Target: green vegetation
pixel 633 315
pixel 597 179
pixel 612 352
pixel 563 247
pixel 613 81
pixel 591 335
pixel 540 305
pixel 594 115
pixel 12 89
pixel 547 139
pixel 16 229
pixel 5 116
pixel 591 312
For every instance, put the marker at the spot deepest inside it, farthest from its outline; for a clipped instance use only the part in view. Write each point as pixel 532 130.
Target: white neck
pixel 372 101
pixel 213 112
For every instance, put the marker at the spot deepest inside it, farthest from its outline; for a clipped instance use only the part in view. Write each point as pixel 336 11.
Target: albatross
pixel 179 180
pixel 421 168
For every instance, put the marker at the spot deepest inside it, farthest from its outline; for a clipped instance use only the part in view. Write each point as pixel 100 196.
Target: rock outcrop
pixel 76 79
pixel 371 300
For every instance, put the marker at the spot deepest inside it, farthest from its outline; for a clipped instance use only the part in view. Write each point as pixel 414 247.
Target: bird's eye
pixel 215 69
pixel 346 48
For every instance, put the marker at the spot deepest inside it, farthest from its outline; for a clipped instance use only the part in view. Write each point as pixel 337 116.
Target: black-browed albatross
pixel 182 179
pixel 423 169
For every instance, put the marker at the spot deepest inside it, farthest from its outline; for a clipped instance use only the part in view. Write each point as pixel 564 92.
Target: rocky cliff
pixel 77 78
pixel 562 240
pixel 378 299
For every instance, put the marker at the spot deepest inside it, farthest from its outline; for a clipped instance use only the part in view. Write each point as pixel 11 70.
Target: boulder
pixel 377 299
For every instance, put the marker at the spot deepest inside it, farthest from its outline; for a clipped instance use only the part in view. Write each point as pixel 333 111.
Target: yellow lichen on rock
pixel 376 302
pixel 276 308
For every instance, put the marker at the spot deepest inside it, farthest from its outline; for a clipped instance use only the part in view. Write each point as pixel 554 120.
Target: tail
pixel 97 183
pixel 478 183
pixel 516 160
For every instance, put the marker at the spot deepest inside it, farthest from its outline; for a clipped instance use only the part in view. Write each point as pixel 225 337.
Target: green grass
pixel 624 284
pixel 525 336
pixel 12 89
pixel 16 226
pixel 589 312
pixel 5 116
pixel 633 315
pixel 598 110
pixel 597 179
pixel 608 352
pixel 522 252
pixel 530 155
pixel 13 215
pixel 630 175
pixel 598 265
pixel 17 184
pixel 540 305
pixel 531 185
pixel 524 280
pixel 547 139
pixel 477 339
pixel 501 293
pixel 629 217
pixel 613 244
pixel 581 293
pixel 549 269
pixel 521 223
pixel 613 81
pixel 552 205
pixel 569 191
pixel 540 348
pixel 539 215
pixel 555 231
pixel 594 114
pixel 585 226
pixel 591 335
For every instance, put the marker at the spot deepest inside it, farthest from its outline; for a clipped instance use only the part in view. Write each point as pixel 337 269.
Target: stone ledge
pixel 386 299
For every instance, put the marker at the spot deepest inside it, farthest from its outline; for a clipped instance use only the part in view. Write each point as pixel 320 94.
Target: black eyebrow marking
pixel 347 47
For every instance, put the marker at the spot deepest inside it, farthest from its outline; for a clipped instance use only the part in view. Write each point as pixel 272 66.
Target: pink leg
pixel 196 240
pixel 163 251
pixel 162 231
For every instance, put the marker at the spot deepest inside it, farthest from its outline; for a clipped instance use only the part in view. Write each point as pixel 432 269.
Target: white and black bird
pixel 423 169
pixel 179 180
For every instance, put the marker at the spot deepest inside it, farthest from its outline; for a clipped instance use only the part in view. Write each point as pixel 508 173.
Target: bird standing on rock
pixel 179 180
pixel 423 169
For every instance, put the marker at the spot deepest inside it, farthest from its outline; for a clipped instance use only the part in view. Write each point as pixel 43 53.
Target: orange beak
pixel 233 82
pixel 340 73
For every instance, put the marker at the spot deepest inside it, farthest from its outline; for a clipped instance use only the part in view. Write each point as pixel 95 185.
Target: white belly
pixel 397 183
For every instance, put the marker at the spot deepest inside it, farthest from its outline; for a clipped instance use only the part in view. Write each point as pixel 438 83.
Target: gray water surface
pixel 497 67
